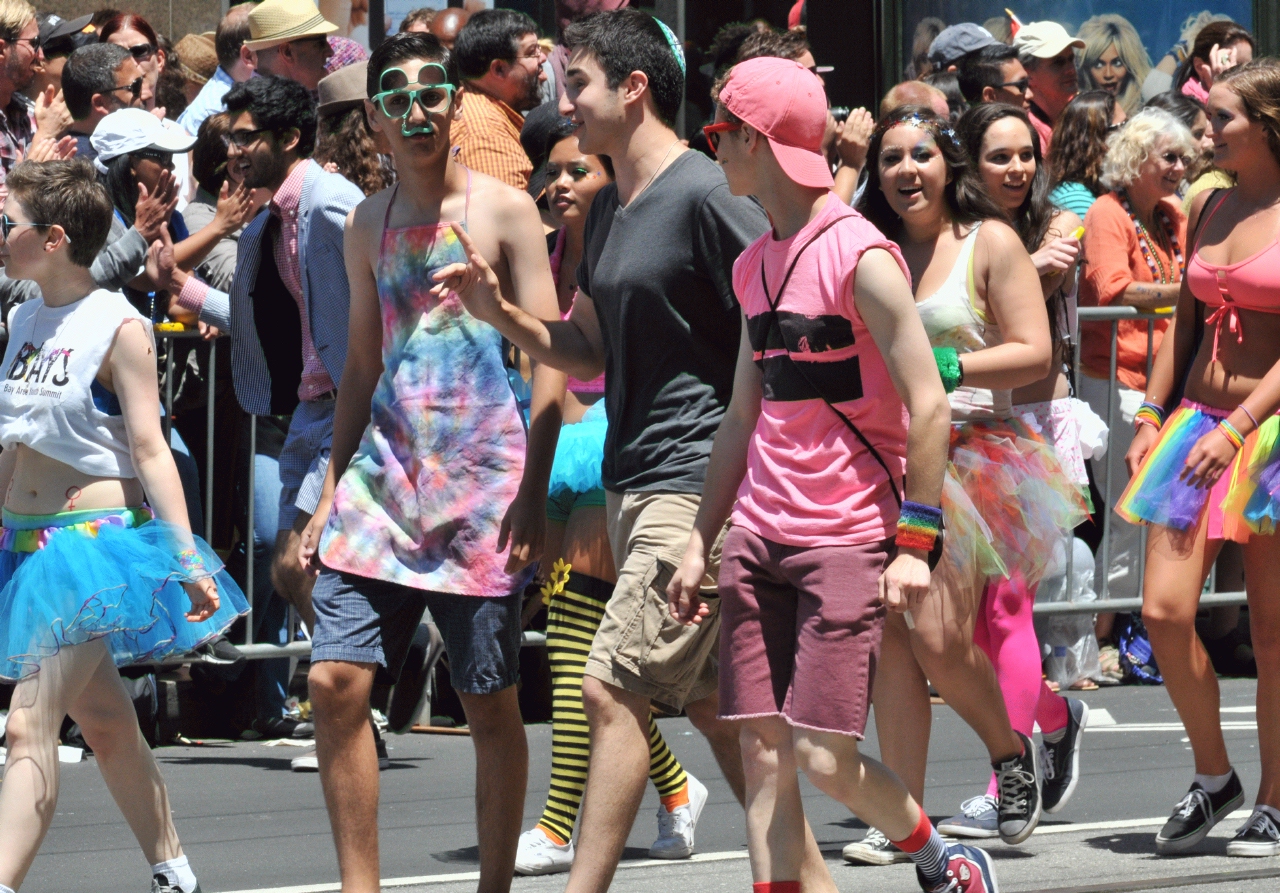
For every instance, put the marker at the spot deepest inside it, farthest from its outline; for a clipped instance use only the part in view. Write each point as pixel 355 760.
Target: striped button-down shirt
pixel 284 207
pixel 487 139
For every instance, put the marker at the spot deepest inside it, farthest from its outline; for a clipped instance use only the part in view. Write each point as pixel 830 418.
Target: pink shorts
pixel 800 631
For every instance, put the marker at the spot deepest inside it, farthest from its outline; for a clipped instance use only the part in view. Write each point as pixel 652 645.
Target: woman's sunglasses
pixel 712 133
pixel 397 93
pixel 142 52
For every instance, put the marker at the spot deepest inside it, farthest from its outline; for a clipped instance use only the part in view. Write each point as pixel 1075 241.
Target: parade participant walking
pixel 428 482
pixel 978 294
pixel 1003 148
pixel 580 570
pixel 1210 471
pixel 92 576
pixel 815 445
pixel 663 325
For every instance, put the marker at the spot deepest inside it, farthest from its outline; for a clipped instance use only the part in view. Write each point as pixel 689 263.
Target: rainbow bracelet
pixel 1149 414
pixel 918 526
pixel 1228 430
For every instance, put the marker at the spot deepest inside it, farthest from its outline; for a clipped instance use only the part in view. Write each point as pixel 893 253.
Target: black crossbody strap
pixel 799 367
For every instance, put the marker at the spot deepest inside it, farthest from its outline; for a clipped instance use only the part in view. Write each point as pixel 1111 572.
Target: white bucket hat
pixel 274 22
pixel 131 130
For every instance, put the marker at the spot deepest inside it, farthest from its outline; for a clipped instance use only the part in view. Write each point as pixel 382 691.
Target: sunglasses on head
pixel 712 133
pixel 7 225
pixel 397 93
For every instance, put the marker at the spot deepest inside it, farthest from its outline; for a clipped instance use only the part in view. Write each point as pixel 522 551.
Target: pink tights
pixel 1004 631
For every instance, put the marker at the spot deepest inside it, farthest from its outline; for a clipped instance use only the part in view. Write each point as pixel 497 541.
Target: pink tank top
pixel 575 386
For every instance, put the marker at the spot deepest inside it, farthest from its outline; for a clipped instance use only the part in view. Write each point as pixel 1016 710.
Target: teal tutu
pixel 103 579
pixel 580 454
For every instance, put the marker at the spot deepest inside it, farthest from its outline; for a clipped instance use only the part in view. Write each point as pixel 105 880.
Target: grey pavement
pixel 249 824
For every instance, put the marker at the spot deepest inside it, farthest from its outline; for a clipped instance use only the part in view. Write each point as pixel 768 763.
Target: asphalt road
pixel 249 824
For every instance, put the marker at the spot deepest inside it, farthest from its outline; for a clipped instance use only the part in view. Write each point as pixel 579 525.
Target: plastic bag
pixel 1067 642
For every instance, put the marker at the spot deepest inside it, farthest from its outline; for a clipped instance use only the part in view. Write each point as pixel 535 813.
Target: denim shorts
pixel 362 620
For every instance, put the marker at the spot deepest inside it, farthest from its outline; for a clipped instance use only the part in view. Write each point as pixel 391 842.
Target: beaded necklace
pixel 1149 254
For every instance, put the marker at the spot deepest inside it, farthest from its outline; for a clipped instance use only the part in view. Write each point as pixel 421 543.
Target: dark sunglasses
pixel 164 159
pixel 712 133
pixel 35 42
pixel 243 139
pixel 1173 158
pixel 1019 85
pixel 142 52
pixel 7 225
pixel 135 88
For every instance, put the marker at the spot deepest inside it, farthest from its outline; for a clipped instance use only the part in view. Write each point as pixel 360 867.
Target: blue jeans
pixel 189 474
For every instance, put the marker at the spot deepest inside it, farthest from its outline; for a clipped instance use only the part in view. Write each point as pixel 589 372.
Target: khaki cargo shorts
pixel 640 647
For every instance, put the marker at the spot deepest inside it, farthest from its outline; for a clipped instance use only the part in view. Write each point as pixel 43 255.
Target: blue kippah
pixel 674 43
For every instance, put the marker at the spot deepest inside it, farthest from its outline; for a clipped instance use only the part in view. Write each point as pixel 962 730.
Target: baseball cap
pixel 786 102
pixel 1044 40
pixel 958 40
pixel 131 130
pixel 64 36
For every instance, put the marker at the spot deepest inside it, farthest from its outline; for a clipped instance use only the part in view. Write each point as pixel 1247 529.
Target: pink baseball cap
pixel 787 103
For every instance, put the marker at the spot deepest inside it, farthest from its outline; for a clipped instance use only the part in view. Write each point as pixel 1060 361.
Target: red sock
pixel 918 838
pixel 776 887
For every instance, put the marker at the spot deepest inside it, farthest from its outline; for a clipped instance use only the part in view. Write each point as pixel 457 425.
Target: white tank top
pixel 951 320
pixel 47 399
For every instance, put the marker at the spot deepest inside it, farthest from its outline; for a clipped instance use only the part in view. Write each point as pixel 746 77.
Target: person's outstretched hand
pixel 152 212
pixel 235 208
pixel 474 282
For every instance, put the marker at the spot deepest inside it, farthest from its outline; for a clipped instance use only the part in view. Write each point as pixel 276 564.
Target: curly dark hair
pixel 967 199
pixel 346 140
pixel 1036 214
pixel 1080 141
pixel 277 104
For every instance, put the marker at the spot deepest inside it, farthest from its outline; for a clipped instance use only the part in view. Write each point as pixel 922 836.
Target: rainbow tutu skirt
pixel 116 574
pixel 1244 501
pixel 1006 502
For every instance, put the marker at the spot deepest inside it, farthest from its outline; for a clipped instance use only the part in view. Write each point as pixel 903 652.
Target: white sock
pixel 1269 810
pixel 176 871
pixel 1214 783
pixel 4 889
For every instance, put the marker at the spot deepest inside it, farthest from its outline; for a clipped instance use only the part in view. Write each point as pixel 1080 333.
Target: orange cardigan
pixel 1113 260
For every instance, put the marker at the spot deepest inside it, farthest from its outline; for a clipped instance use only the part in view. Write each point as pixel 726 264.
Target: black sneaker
pixel 1018 779
pixel 874 849
pixel 1196 814
pixel 220 653
pixel 284 727
pixel 160 884
pixel 1062 768
pixel 1260 836
pixel 409 694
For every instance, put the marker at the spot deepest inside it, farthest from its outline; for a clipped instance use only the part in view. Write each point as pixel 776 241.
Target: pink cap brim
pixel 803 166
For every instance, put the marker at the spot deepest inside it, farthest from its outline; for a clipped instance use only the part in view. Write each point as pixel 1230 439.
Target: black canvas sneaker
pixel 1196 814
pixel 1018 781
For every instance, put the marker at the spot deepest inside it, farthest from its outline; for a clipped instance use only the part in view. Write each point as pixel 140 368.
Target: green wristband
pixel 948 360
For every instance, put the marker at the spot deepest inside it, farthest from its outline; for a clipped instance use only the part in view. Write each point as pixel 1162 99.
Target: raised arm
pixel 363 364
pixel 532 289
pixel 1015 301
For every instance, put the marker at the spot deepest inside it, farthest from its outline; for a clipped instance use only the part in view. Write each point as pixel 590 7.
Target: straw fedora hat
pixel 275 22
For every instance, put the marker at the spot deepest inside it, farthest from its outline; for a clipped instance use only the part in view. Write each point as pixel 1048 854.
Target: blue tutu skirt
pixel 580 454
pixel 70 578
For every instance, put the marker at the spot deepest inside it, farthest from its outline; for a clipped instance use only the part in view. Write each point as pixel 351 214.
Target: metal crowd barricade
pixel 1113 315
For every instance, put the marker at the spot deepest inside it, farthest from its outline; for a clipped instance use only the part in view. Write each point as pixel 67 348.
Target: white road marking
pixel 731 856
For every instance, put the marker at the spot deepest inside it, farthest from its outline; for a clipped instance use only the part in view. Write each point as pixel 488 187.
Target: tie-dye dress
pixel 424 496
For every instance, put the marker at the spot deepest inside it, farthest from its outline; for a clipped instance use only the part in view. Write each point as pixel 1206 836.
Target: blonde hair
pixel 14 16
pixel 1129 148
pixel 1103 31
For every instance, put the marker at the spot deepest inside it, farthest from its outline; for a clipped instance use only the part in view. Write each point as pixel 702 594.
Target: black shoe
pixel 1196 814
pixel 1062 769
pixel 409 694
pixel 160 884
pixel 384 761
pixel 1018 779
pixel 1260 836
pixel 220 653
pixel 284 727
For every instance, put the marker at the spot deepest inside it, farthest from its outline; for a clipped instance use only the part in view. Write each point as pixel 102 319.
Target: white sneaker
pixel 675 828
pixel 307 762
pixel 539 854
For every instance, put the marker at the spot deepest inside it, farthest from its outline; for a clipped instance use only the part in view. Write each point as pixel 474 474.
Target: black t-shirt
pixel 660 273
